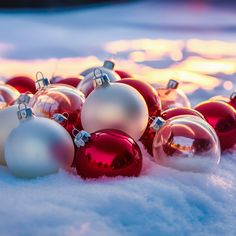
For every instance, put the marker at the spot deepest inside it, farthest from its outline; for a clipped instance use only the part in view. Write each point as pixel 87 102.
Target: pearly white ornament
pixel 114 106
pixel 37 146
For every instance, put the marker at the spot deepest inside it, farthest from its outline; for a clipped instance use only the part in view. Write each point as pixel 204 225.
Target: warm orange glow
pixel 207 66
pixel 228 85
pixel 211 48
pixel 193 72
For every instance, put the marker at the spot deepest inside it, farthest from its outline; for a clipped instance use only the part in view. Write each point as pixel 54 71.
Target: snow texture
pixel 161 201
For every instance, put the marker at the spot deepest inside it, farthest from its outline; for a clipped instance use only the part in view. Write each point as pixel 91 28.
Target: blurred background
pixel 192 41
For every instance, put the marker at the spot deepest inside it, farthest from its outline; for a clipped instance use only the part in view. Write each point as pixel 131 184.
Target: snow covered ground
pixel 154 42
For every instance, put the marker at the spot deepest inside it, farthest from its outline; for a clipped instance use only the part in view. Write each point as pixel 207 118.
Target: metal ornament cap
pixel 172 84
pixel 100 79
pixel 82 138
pixel 109 64
pixel 24 113
pixel 23 98
pixel 157 123
pixel 59 118
pixel 233 96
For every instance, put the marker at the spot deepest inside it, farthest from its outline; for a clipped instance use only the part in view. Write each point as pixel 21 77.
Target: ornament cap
pixel 60 118
pixel 172 84
pixel 24 113
pixel 233 96
pixel 100 79
pixel 109 64
pixel 81 138
pixel 41 82
pixel 157 123
pixel 23 98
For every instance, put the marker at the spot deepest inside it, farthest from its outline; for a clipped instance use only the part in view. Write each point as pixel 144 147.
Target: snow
pixel 161 201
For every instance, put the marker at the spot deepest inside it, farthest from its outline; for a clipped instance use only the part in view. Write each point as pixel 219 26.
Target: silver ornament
pixel 115 106
pixel 37 146
pixel 86 85
pixel 186 143
pixel 8 121
pixel 172 96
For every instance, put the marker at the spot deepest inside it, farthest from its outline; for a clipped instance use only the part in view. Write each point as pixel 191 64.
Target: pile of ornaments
pixel 97 123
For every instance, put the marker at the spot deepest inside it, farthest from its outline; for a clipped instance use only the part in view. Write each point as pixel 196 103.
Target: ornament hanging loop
pixel 25 112
pixel 41 82
pixel 39 73
pixel 75 132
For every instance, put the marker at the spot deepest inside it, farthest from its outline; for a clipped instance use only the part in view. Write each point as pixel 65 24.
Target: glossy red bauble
pixel 108 153
pixel 123 74
pixel 22 84
pixel 178 111
pixel 231 100
pixel 222 117
pixel 8 95
pixel 62 99
pixel 149 94
pixel 72 81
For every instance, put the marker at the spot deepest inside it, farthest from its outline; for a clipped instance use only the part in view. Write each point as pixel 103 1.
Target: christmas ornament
pixel 24 98
pixel 86 85
pixel 37 146
pixel 184 143
pixel 22 84
pixel 178 111
pixel 55 79
pixel 58 98
pixel 231 100
pixel 149 94
pixel 123 74
pixel 171 96
pixel 107 152
pixel 114 105
pixel 149 134
pixel 8 121
pixel 8 95
pixel 222 117
pixel 72 81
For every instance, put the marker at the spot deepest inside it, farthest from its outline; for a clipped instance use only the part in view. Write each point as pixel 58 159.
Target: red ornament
pixel 22 84
pixel 153 103
pixel 107 152
pixel 222 117
pixel 72 81
pixel 123 74
pixel 63 99
pixel 178 111
pixel 8 95
pixel 149 94
pixel 231 101
pixel 171 96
